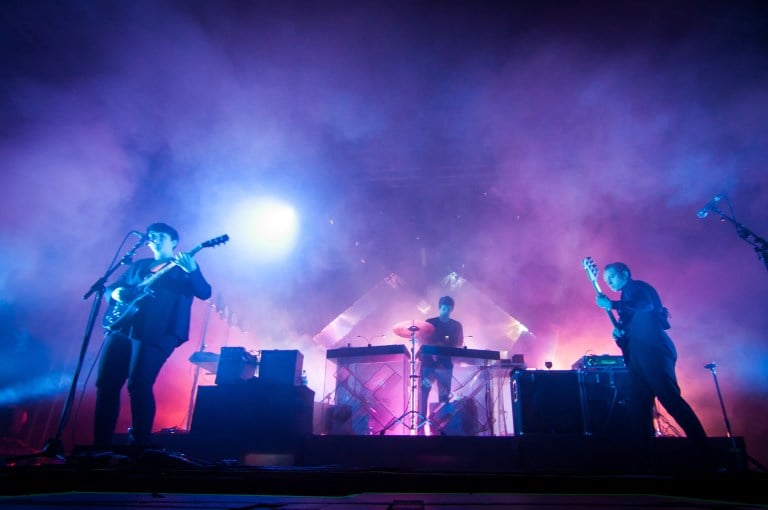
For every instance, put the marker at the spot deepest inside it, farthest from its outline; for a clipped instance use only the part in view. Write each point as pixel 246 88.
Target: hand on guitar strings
pixel 604 302
pixel 186 262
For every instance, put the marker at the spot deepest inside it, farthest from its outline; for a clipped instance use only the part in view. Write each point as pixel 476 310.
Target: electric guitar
pixel 590 267
pixel 120 312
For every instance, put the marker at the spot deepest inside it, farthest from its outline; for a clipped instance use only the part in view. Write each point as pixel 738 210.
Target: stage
pixel 387 472
pixel 257 443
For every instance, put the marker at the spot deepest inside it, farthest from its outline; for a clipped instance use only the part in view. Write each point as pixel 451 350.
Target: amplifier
pixel 547 402
pixel 254 414
pixel 605 401
pixel 281 367
pixel 589 402
pixel 595 362
pixel 235 364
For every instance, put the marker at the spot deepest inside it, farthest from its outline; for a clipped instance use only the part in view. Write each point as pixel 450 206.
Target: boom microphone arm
pixel 758 243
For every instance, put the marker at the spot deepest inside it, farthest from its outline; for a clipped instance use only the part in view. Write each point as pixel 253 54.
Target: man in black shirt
pixel 439 369
pixel 650 356
pixel 138 345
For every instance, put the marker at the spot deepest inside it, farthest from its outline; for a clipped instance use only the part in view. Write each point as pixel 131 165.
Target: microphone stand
pixel 54 447
pixel 711 367
pixel 760 245
pixel 735 450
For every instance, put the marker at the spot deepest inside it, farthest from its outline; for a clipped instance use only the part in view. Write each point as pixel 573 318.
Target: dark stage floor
pixel 386 472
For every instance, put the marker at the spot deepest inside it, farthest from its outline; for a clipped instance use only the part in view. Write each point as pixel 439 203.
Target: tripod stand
pixel 411 412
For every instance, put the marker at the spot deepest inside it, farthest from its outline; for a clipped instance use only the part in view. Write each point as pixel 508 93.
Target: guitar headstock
pixel 215 241
pixel 591 267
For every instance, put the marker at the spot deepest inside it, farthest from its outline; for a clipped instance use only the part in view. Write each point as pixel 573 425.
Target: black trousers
pixel 137 362
pixel 651 375
pixel 429 375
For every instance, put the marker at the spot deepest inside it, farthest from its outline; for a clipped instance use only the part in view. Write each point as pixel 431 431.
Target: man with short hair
pixel 650 356
pixel 139 343
pixel 448 332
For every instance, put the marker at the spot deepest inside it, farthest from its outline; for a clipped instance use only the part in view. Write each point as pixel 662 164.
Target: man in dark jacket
pixel 650 356
pixel 149 307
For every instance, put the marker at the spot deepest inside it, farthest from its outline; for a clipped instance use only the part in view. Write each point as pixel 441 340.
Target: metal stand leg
pixel 711 367
pixel 196 378
pixel 740 456
pixel 412 412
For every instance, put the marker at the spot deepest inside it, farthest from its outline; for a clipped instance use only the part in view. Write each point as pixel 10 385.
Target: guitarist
pixel 650 356
pixel 137 349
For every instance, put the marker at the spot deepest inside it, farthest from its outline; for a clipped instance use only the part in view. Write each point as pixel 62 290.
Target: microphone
pixel 140 235
pixel 710 205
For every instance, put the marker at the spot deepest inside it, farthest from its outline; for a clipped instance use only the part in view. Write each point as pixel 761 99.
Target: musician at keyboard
pixel 435 369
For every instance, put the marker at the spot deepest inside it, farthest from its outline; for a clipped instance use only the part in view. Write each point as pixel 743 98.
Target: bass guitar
pixel 120 312
pixel 590 267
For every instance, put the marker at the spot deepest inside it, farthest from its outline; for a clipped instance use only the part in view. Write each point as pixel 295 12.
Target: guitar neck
pixel 610 313
pixel 151 279
pixel 591 269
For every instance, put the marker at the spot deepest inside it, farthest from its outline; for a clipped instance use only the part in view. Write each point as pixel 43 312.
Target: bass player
pixel 650 356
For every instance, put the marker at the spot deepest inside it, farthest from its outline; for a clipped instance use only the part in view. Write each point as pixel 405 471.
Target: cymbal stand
pixel 412 412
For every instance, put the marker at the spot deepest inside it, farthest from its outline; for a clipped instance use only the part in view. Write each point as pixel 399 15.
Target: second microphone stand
pixel 758 243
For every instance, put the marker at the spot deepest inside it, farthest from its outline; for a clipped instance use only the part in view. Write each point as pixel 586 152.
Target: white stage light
pixel 267 228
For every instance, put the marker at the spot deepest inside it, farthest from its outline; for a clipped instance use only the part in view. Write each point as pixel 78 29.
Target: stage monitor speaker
pixel 605 401
pixel 281 367
pixel 546 402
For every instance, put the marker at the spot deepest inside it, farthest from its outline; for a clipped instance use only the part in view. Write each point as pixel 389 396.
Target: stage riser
pixel 544 453
pixel 259 423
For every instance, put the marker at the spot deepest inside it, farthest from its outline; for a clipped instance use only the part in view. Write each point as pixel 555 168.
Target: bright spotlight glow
pixel 267 228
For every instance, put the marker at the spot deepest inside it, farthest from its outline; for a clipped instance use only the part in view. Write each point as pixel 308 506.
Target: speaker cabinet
pixel 546 402
pixel 235 364
pixel 281 367
pixel 456 418
pixel 253 414
pixel 605 401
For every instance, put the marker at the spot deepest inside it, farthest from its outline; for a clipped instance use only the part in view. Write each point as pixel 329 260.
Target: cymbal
pixel 406 328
